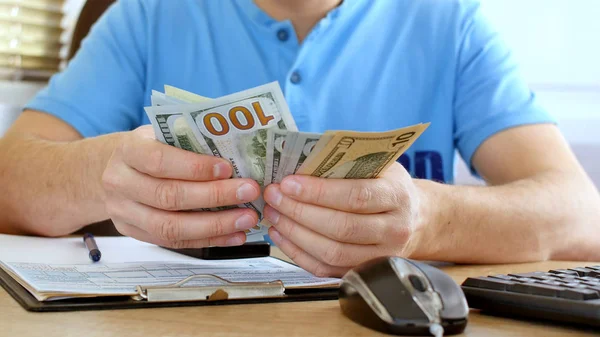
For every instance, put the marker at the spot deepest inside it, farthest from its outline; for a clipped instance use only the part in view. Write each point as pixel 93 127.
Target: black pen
pixel 92 247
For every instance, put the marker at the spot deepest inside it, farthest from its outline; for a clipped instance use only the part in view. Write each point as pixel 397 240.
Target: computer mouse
pixel 403 297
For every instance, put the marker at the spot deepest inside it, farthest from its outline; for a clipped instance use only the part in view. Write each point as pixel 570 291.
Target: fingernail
pixel 234 241
pixel 273 196
pixel 245 222
pixel 219 170
pixel 272 215
pixel 246 192
pixel 291 187
pixel 275 236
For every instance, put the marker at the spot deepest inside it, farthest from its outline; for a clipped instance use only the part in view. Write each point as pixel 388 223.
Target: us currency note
pixel 255 131
pixel 275 148
pixel 183 95
pixel 158 98
pixel 288 145
pixel 304 144
pixel 174 127
pixel 178 126
pixel 321 144
pixel 361 155
pixel 235 127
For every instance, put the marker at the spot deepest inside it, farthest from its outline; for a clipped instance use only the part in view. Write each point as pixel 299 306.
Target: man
pixel 71 158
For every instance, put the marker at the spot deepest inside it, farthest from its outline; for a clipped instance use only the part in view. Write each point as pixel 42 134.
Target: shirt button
pixel 295 78
pixel 283 35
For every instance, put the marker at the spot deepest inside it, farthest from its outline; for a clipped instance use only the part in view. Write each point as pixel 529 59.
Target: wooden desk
pixel 280 319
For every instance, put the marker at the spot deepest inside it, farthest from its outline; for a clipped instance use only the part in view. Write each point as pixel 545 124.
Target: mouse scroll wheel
pixel 417 282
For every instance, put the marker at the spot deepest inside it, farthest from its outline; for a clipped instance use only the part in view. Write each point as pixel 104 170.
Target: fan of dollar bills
pixel 256 132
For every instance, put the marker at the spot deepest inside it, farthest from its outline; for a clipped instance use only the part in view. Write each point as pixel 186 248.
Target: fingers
pixel 334 224
pixel 170 227
pixel 169 194
pixel 163 161
pixel 366 196
pixel 325 250
pixel 303 259
pixel 235 239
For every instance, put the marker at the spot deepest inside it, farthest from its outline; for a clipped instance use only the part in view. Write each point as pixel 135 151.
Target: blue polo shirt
pixel 367 66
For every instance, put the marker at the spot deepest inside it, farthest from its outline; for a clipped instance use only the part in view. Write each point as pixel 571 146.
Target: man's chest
pixel 367 90
pixel 354 83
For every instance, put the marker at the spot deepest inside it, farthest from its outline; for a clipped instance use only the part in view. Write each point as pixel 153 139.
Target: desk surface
pixel 272 319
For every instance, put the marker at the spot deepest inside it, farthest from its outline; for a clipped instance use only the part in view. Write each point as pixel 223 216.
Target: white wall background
pixel 13 95
pixel 557 43
pixel 71 10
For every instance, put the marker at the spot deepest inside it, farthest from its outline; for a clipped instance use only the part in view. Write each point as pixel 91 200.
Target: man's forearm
pixel 554 215
pixel 52 188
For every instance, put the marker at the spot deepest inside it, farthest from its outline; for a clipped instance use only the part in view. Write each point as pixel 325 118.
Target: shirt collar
pixel 256 13
pixel 262 18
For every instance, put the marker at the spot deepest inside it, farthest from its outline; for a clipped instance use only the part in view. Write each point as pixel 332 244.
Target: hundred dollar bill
pixel 185 136
pixel 158 98
pixel 235 127
pixel 175 128
pixel 183 95
pixel 172 128
pixel 178 126
pixel 361 155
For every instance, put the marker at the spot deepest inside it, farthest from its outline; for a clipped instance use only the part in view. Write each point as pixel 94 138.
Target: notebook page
pixel 72 250
pixel 118 273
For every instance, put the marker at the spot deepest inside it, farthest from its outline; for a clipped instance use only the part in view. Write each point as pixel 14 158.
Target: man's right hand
pixel 147 184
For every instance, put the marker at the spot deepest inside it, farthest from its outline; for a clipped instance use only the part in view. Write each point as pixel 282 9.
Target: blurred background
pixel 34 40
pixel 557 43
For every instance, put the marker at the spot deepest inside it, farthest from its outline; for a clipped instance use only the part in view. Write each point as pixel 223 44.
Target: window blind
pixel 31 39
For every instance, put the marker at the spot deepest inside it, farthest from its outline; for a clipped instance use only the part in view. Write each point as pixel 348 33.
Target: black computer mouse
pixel 403 297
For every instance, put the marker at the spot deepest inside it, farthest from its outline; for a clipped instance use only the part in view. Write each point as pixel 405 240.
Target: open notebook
pixel 57 269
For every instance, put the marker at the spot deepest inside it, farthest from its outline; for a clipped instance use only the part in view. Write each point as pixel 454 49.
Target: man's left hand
pixel 328 226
